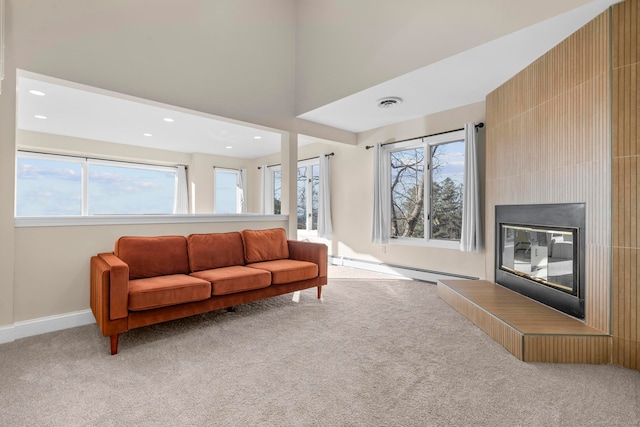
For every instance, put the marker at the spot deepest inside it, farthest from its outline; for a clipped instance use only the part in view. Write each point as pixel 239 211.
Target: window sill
pixel 439 244
pixel 67 221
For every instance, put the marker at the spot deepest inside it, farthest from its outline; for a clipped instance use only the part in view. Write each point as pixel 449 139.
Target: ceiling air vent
pixel 389 101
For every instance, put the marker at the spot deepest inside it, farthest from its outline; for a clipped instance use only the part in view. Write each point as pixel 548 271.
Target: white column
pixel 7 186
pixel 289 150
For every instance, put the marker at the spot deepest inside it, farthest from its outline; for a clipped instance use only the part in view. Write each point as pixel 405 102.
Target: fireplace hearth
pixel 540 253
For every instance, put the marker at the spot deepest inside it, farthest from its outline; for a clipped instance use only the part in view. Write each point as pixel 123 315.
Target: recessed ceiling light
pixel 389 101
pixel 257 137
pixel 39 116
pixel 168 119
pixel 228 147
pixel 36 92
pixel 147 134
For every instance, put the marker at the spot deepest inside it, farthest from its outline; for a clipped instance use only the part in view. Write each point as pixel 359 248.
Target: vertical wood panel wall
pixel 548 141
pixel 626 184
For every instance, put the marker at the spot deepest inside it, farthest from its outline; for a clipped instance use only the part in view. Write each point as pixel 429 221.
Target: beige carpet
pixel 377 351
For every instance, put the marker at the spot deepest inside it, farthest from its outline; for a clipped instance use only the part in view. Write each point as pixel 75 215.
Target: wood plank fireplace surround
pixel 565 130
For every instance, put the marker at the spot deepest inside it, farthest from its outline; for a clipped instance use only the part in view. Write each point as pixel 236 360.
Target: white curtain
pixel 266 199
pixel 471 240
pixel 181 204
pixel 325 229
pixel 263 189
pixel 381 196
pixel 242 179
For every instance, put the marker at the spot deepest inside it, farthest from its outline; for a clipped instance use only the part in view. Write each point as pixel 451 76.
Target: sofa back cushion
pixel 265 245
pixel 214 250
pixel 153 256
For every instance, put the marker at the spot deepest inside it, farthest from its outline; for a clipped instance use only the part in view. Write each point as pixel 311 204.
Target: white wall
pixel 345 46
pixel 201 179
pixel 7 182
pixel 59 283
pixel 235 59
pixel 52 263
pixel 68 145
pixel 355 232
pixel 352 196
pixel 51 268
pixel 229 58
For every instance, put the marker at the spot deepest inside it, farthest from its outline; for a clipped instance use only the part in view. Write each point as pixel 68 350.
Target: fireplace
pixel 540 253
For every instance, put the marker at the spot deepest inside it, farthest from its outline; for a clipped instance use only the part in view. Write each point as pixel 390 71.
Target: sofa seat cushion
pixel 287 270
pixel 162 291
pixel 229 280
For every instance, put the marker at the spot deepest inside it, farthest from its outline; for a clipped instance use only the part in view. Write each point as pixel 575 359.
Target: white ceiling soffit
pixel 462 79
pixel 84 112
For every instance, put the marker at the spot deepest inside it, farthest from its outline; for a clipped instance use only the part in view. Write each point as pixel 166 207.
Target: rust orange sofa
pixel 148 280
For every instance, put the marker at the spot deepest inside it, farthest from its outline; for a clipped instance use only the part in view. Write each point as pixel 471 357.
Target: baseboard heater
pixel 430 276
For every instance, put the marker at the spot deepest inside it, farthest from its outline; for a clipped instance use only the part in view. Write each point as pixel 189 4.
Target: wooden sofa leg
pixel 319 292
pixel 114 344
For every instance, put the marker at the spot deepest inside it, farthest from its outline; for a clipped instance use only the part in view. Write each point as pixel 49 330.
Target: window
pixel 53 185
pixel 49 186
pixel 229 191
pixel 447 177
pixel 308 188
pixel 277 191
pixel 426 180
pixel 126 189
pixel 272 189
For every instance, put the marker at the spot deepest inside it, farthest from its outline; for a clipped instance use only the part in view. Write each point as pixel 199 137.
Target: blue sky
pixel 451 157
pixel 54 187
pixel 226 193
pixel 449 161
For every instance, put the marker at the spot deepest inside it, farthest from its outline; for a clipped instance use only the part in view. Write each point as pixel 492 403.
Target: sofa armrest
pixel 118 285
pixel 309 251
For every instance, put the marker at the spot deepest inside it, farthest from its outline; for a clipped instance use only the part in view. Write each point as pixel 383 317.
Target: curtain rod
pixel 231 169
pixel 102 159
pixel 301 160
pixel 479 125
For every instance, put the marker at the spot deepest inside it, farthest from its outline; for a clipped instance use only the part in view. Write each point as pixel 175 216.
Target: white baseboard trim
pixel 43 325
pixel 397 270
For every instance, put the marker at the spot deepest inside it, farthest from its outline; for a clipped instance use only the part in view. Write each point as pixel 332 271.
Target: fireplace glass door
pixel 540 254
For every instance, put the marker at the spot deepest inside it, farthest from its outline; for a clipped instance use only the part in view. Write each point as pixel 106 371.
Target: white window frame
pixel 86 162
pixel 309 164
pixel 62 158
pixel 427 143
pixel 131 165
pixel 271 189
pixel 270 192
pixel 240 205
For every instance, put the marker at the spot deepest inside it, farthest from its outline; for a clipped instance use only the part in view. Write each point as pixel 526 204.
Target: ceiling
pixel 90 113
pixel 463 78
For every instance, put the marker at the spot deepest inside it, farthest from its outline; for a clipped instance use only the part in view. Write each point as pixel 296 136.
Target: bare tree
pixel 407 191
pixel 416 212
pixel 408 196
